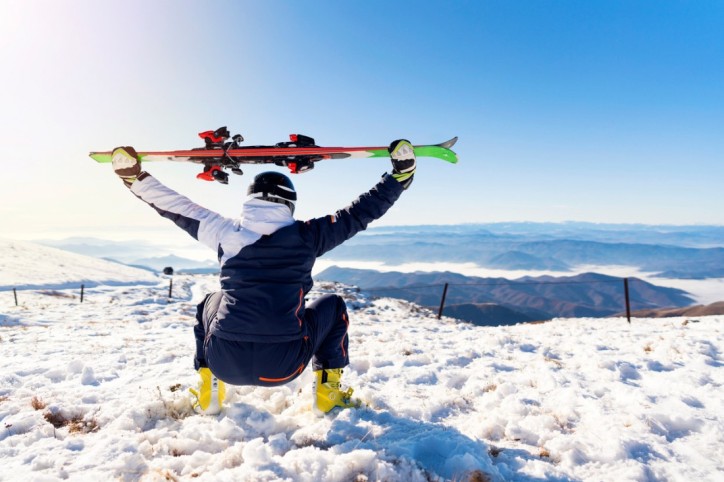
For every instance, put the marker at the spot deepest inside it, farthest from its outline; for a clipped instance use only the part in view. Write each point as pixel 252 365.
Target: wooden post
pixel 82 289
pixel 15 294
pixel 628 302
pixel 442 302
pixel 168 271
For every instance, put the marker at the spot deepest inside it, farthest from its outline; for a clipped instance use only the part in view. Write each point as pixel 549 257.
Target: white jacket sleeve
pixel 204 225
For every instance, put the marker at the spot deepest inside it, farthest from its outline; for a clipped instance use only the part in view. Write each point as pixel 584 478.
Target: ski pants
pixel 325 342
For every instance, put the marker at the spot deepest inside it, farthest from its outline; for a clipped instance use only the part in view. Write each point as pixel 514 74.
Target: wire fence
pixel 444 289
pixel 82 292
pixel 624 282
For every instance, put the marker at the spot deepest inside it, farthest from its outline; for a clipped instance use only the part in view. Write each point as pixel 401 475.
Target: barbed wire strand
pixel 510 283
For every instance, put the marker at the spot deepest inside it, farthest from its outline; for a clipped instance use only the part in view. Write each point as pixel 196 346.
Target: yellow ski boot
pixel 210 395
pixel 328 393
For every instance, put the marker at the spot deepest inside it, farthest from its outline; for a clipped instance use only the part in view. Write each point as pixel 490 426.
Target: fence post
pixel 82 289
pixel 442 302
pixel 628 302
pixel 15 294
pixel 168 271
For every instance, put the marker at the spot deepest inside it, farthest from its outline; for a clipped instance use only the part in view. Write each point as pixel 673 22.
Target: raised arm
pixel 331 231
pixel 202 224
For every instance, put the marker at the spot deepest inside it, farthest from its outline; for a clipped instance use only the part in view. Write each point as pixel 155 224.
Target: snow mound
pixel 32 266
pixel 104 397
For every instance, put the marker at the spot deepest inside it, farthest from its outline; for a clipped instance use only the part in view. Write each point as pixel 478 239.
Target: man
pixel 257 329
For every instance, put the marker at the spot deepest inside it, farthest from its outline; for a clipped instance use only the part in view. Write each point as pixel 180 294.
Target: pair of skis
pixel 224 152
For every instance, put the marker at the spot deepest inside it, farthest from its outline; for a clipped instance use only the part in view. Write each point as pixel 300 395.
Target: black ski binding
pixel 218 140
pixel 297 140
pixel 214 168
pixel 298 164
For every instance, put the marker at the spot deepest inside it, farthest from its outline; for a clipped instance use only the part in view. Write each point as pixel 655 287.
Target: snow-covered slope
pixel 26 265
pixel 98 392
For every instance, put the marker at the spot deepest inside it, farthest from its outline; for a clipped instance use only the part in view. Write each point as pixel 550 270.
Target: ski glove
pixel 126 164
pixel 403 161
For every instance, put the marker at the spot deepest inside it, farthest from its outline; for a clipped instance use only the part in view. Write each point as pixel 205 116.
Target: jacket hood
pixel 265 217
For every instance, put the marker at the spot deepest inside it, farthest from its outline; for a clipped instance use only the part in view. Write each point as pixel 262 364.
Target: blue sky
pixel 602 111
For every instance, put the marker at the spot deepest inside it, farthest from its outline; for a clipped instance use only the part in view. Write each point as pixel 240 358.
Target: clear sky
pixel 602 111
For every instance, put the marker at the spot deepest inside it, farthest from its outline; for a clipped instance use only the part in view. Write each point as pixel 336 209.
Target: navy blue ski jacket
pixel 266 256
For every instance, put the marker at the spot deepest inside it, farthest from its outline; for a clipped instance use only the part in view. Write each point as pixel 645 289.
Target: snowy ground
pixel 97 391
pixel 26 265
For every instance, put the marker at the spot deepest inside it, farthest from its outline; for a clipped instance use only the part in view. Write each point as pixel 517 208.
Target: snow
pixel 26 265
pixel 98 391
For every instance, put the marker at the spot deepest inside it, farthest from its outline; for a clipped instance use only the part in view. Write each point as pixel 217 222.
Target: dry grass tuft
pixel 177 453
pixel 75 424
pixel 478 476
pixel 81 426
pixel 56 419
pixel 37 403
pixel 174 410
pixel 56 294
pixel 554 361
pixel 165 474
pixel 490 388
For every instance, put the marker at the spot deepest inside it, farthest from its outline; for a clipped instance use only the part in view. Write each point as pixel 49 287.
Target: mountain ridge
pixel 527 298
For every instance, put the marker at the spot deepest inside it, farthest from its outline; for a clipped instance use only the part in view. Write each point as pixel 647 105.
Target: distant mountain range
pixel 519 260
pixel 691 252
pixel 680 252
pixel 496 301
pixel 691 236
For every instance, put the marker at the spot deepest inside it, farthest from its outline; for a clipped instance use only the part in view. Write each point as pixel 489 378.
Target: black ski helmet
pixel 274 187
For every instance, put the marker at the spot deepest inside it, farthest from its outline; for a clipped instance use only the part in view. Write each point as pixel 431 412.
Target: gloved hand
pixel 403 161
pixel 211 393
pixel 126 164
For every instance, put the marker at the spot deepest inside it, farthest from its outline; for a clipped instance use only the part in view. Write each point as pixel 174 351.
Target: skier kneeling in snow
pixel 257 329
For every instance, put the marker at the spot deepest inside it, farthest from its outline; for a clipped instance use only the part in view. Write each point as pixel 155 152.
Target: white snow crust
pixel 25 265
pixel 98 391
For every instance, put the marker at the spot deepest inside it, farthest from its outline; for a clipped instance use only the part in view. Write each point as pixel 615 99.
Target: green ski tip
pixel 100 157
pixel 439 151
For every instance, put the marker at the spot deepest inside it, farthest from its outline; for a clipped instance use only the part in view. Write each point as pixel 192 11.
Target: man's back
pixel 264 287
